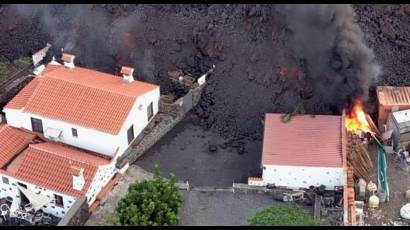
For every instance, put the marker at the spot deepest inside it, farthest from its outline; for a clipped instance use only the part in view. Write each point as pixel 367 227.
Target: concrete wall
pixel 89 138
pixel 303 177
pixel 12 190
pixel 77 215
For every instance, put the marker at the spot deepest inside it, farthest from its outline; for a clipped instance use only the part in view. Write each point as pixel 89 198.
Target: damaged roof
pixel 81 96
pixel 305 140
pixel 392 95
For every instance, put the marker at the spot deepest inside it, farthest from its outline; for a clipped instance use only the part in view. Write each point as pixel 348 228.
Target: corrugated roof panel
pixel 389 95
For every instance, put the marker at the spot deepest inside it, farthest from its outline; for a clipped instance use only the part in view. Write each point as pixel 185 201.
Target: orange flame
pixel 356 119
pixel 282 71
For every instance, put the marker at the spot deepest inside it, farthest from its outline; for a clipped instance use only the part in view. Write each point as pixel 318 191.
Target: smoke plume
pixel 339 65
pixel 87 32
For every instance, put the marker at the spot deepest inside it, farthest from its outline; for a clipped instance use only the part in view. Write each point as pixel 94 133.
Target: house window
pixel 74 131
pixel 36 125
pixel 150 111
pixel 5 180
pixel 58 200
pixel 130 134
pixel 22 185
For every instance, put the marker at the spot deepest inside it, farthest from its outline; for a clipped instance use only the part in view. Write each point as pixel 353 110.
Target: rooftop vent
pixel 68 60
pixel 127 73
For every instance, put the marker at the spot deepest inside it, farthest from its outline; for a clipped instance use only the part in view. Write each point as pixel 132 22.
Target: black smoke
pixel 97 38
pixel 339 66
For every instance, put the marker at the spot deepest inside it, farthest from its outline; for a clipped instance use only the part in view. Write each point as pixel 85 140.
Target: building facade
pixel 65 131
pixel 91 110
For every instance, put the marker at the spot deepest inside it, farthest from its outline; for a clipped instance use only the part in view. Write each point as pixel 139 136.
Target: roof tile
pixel 81 96
pixel 50 165
pixel 12 142
pixel 303 141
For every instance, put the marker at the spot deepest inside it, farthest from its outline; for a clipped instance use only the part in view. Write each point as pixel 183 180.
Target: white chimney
pixel 78 178
pixel 127 73
pixel 68 60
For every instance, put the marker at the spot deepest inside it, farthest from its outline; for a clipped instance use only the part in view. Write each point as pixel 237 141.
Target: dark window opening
pixel 74 131
pixel 150 111
pixel 36 125
pixel 22 185
pixel 59 200
pixel 5 180
pixel 130 134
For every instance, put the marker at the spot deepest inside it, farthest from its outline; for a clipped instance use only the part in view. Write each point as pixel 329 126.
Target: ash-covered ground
pixel 258 68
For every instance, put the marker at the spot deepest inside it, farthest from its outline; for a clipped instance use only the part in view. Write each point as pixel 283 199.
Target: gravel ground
pixel 184 151
pixel 222 208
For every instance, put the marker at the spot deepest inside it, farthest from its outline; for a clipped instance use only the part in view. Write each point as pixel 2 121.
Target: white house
pixel 49 175
pixel 305 151
pixel 85 108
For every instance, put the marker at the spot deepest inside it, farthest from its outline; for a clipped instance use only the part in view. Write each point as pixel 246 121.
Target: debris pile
pixel 358 157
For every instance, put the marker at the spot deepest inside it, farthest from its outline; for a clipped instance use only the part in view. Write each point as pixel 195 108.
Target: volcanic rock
pixel 212 148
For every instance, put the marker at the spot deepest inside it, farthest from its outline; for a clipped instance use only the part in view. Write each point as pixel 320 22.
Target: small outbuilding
pixel 391 99
pixel 305 151
pixel 399 123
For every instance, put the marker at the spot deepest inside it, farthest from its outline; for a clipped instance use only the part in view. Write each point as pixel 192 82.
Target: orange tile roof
pixel 81 96
pixel 20 100
pixel 390 95
pixel 12 142
pixel 50 165
pixel 303 141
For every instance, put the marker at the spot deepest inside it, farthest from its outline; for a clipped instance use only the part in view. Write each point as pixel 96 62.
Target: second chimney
pixel 68 60
pixel 127 73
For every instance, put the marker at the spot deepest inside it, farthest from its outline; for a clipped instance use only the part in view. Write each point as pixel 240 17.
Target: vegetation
pixel 155 202
pixel 7 67
pixel 284 214
pixel 286 117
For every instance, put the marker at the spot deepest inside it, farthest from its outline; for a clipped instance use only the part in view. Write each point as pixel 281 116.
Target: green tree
pixel 154 202
pixel 284 214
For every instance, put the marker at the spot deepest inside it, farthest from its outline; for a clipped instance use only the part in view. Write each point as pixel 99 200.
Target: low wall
pixel 77 215
pixel 169 116
pixel 9 91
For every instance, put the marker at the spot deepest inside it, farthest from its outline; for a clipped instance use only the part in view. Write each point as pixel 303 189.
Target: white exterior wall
pixel 303 177
pixel 12 190
pixel 88 138
pixel 138 118
pixel 101 178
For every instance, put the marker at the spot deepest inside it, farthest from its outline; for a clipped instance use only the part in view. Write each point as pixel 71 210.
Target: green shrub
pixel 150 203
pixel 283 214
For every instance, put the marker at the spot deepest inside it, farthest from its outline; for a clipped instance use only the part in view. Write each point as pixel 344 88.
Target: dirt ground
pixel 399 181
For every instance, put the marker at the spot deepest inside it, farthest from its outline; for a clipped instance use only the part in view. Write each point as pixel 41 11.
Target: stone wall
pixel 9 91
pixel 168 116
pixel 77 215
